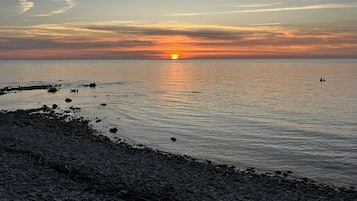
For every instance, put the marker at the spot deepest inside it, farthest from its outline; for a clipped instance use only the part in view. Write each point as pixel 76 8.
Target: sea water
pixel 269 114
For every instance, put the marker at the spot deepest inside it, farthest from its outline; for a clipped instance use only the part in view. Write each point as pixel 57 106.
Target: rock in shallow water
pixel 113 130
pixel 52 89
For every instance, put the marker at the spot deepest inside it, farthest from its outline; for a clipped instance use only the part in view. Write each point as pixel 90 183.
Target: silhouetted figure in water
pixel 322 80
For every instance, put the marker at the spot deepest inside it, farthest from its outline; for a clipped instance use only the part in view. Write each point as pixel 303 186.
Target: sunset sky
pixel 110 29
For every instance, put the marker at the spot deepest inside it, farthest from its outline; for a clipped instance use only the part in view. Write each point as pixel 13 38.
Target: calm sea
pixel 268 114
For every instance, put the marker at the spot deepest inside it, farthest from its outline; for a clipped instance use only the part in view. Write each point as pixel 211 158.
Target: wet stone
pixel 60 160
pixel 113 130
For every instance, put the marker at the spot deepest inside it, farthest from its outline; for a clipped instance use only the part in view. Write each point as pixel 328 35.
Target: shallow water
pixel 269 114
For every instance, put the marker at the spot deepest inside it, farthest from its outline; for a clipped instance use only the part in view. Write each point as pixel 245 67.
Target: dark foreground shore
pixel 44 157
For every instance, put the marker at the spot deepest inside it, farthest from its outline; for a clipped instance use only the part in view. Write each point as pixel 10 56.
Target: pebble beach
pixel 47 156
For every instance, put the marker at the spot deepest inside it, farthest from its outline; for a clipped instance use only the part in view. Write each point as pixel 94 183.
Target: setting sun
pixel 174 56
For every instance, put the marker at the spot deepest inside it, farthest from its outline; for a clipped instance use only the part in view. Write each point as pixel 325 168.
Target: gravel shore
pixel 45 157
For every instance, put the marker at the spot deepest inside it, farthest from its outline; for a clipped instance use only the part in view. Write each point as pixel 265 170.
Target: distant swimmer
pixel 322 80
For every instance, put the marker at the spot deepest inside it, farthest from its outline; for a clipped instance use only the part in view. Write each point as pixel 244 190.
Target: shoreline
pixel 44 156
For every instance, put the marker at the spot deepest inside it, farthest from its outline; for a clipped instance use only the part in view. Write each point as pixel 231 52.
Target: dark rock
pixel 74 90
pixel 113 130
pixel 52 89
pixel 173 139
pixel 75 109
pixel 98 120
pixel 103 104
pixel 250 169
pixel 91 85
pixel 68 100
pixel 278 172
pixel 54 106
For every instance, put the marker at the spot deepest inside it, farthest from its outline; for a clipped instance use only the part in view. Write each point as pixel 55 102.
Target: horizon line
pixel 196 58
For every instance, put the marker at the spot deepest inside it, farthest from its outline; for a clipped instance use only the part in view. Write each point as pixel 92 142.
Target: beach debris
pixel 98 120
pixel 113 130
pixel 74 90
pixel 103 104
pixel 54 106
pixel 68 100
pixel 173 139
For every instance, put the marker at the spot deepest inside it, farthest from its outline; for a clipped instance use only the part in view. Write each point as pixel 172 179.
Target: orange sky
pixel 72 30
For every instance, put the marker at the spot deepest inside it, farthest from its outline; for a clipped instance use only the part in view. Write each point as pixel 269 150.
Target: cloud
pixel 16 43
pixel 214 32
pixel 268 24
pixel 25 6
pixel 258 5
pixel 135 40
pixel 308 7
pixel 279 9
pixel 66 6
